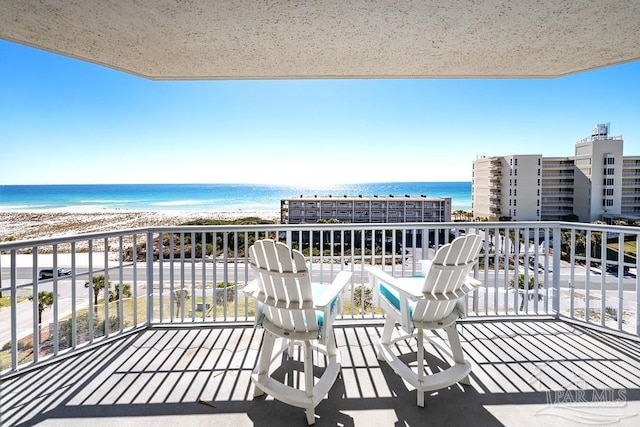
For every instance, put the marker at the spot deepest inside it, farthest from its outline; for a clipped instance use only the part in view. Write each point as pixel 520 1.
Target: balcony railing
pixel 123 281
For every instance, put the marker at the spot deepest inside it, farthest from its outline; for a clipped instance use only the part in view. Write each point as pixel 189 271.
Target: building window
pixel 538 191
pixel 538 202
pixel 538 161
pixel 537 212
pixel 515 202
pixel 516 162
pixel 538 172
pixel 610 171
pixel 515 192
pixel 515 172
pixel 515 182
pixel 538 182
pixel 610 160
pixel 510 162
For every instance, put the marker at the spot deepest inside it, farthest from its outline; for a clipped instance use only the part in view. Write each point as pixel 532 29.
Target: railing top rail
pixel 19 244
pixel 70 238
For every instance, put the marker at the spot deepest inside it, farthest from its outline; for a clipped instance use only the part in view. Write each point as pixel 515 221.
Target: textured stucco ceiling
pixel 251 39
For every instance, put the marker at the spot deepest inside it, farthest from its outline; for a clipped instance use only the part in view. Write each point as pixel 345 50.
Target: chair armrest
pixel 251 289
pixel 333 290
pixel 377 275
pixel 469 285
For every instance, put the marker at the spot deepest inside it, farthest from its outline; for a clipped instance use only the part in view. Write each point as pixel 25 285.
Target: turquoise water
pixel 205 197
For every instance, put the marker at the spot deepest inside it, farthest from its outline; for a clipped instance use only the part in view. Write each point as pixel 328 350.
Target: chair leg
pixel 308 380
pixel 311 416
pixel 308 368
pixel 420 360
pixel 456 349
pixel 288 344
pixel 387 331
pixel 268 341
pixel 454 342
pixel 331 346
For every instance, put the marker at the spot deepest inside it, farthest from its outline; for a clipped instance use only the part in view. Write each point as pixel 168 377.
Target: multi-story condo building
pixel 360 209
pixel 630 203
pixel 597 182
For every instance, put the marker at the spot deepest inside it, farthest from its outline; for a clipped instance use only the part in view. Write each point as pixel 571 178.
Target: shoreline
pixel 34 224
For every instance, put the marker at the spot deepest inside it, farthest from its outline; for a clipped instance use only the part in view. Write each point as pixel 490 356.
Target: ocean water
pixel 205 197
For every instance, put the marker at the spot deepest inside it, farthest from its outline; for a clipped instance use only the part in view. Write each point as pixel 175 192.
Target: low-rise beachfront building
pixel 364 209
pixel 598 182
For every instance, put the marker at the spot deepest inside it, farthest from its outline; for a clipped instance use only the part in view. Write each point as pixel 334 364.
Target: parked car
pixel 613 268
pixel 47 273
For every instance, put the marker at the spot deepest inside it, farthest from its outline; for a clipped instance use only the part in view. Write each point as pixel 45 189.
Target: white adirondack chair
pixel 299 312
pixel 421 304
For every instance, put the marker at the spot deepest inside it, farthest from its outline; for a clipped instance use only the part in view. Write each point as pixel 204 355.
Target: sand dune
pixel 35 224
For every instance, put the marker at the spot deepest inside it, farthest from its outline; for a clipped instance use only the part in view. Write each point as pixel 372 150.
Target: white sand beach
pixel 41 224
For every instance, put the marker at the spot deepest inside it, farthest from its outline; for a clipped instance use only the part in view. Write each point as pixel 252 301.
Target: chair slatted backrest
pixel 448 271
pixel 285 286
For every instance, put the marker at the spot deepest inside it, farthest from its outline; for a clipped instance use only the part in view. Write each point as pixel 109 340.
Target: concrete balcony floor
pixel 525 372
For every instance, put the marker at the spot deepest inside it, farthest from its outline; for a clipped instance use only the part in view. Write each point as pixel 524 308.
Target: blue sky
pixel 65 121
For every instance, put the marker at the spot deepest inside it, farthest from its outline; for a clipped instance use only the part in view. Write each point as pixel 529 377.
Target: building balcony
pixel 557 201
pixel 554 183
pixel 558 166
pixel 180 347
pixel 557 210
pixel 557 174
pixel 495 165
pixel 548 192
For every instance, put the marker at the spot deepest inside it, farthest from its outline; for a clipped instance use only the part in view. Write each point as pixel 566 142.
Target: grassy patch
pixel 630 248
pixel 6 301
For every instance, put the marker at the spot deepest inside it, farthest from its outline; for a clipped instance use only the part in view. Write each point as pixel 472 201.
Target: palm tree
pixel 114 295
pixel 596 243
pixel 98 285
pixel 530 286
pixel 45 299
pixel 459 215
pixel 179 295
